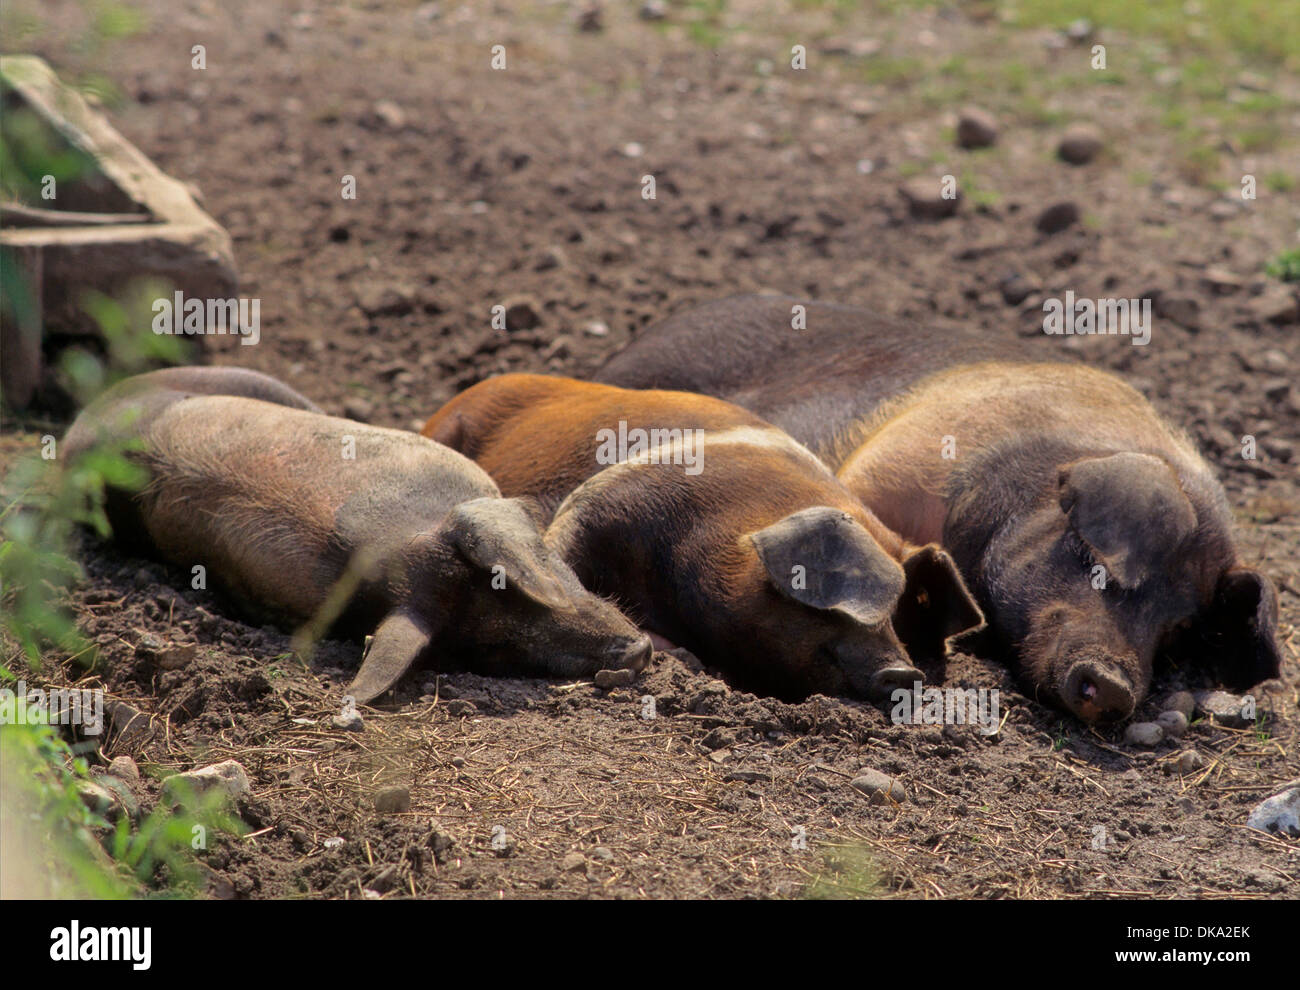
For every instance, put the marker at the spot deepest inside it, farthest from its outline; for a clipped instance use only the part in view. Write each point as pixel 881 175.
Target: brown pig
pixel 1091 532
pixel 297 514
pixel 715 530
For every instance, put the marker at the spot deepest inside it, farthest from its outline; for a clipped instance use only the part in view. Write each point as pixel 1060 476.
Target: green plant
pixel 1286 265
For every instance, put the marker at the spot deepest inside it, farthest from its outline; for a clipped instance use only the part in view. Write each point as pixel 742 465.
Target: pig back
pixel 814 382
pixel 277 501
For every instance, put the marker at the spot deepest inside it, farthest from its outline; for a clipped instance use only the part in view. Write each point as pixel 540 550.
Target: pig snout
pixel 1081 658
pixel 876 672
pixel 634 655
pixel 1098 691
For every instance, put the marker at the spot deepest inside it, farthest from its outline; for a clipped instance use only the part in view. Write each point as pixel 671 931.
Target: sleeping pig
pixel 1091 532
pixel 715 530
pixel 290 509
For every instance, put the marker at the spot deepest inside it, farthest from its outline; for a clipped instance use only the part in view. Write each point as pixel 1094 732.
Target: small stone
pixel 1279 814
pixel 165 655
pixel 460 708
pixel 1221 280
pixel 1079 31
pixel 1183 310
pixel 596 329
pixel 458 762
pixel 591 17
pixel 1275 305
pixel 925 199
pixel 521 316
pixel 349 721
pixel 333 842
pixel 390 800
pixel 124 768
pixel 1080 144
pixel 355 407
pixel 1143 734
pixel 376 299
pixel 653 10
pixel 1224 708
pixel 1057 217
pixel 573 862
pixel 607 679
pixel 633 149
pixel 976 128
pixel 390 114
pixel 228 777
pixel 1181 701
pixel 1015 288
pixel 602 853
pixel 99 800
pixel 1189 761
pixel 1173 723
pixel 879 787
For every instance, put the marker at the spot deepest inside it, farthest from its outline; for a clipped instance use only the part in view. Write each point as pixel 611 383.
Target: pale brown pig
pixel 284 506
pixel 1091 532
pixel 715 530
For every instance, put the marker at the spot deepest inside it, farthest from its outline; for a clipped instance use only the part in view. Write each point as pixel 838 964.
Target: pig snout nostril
pixel 1098 695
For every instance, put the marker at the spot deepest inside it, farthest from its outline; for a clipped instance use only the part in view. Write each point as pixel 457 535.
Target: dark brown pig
pixel 1091 532
pixel 715 530
pixel 294 512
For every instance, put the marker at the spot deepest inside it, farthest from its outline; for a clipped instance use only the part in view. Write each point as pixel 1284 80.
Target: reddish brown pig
pixel 715 530
pixel 285 506
pixel 1091 532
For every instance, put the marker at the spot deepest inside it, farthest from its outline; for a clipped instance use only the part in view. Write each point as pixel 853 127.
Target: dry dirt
pixel 524 185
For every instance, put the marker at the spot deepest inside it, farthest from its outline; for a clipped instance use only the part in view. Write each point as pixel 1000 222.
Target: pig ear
pixel 823 558
pixel 500 536
pixel 1130 509
pixel 394 648
pixel 1241 628
pixel 935 604
pixel 449 431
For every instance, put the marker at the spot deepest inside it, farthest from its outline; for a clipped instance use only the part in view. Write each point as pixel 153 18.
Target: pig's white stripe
pixel 675 451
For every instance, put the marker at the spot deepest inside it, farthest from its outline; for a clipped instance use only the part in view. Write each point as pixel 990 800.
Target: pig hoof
pixel 1098 695
pixel 885 682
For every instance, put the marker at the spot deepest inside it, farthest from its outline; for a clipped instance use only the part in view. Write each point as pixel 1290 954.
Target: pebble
pixel 124 768
pixel 879 787
pixel 355 407
pixel 1279 814
pixel 1181 701
pixel 521 316
pixel 1057 217
pixel 603 853
pixel 1143 734
pixel 573 862
pixel 1223 707
pixel 1080 144
pixel 1173 723
pixel 1183 310
pixel 976 128
pixel 1276 304
pixel 1189 761
pixel 925 199
pixel 228 776
pixel 349 722
pixel 607 679
pixel 389 800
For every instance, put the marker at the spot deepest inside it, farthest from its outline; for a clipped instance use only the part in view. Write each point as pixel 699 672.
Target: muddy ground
pixel 523 186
